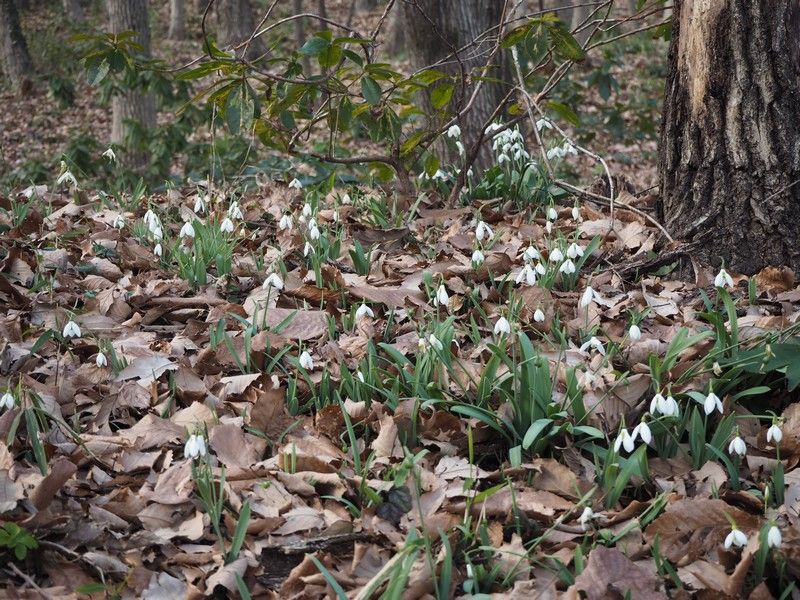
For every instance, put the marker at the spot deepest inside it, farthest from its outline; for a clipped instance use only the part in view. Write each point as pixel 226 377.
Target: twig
pixel 29 581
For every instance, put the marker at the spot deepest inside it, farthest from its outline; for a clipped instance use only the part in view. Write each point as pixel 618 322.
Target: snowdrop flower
pixel 335 216
pixel 540 268
pixel 7 401
pixel 502 158
pixel 712 402
pixel 567 267
pixel 556 255
pixel 71 330
pixel 312 224
pixel 422 344
pixel 527 275
pixel 737 446
pixel 306 361
pixel 66 177
pixel 285 223
pixel 538 316
pixel 226 226
pixel 502 326
pixel 364 310
pixel 723 279
pixel 435 343
pixel 308 249
pixel 360 376
pixel 548 227
pixel 441 175
pixel 555 153
pixel 306 210
pixel 109 154
pixel 574 251
pixel 460 148
pixel 158 250
pixel 478 258
pixel 543 124
pixel 187 230
pixel 568 148
pixel 671 408
pixel 642 430
pixel 483 231
pixel 634 333
pixel 346 200
pixel 774 538
pixel 735 538
pixel 195 447
pixel 530 254
pixel 150 219
pixel 235 211
pixel 576 213
pixel 586 518
pixel 492 127
pixel 552 215
pixel 295 183
pixel 101 360
pixel 441 298
pixel 657 404
pixel 157 232
pixel 313 233
pixel 594 343
pixel 587 297
pixel 625 440
pixel 774 433
pixel 454 131
pixel 119 222
pixel 273 281
pixel 199 204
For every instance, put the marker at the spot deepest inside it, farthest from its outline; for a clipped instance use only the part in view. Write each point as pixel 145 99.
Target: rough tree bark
pixel 434 30
pixel 74 11
pixel 236 25
pixel 133 105
pixel 177 20
pixel 730 141
pixel 15 60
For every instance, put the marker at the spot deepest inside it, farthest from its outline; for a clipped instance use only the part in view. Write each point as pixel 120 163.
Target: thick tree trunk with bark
pixel 131 15
pixel 73 11
pixel 435 30
pixel 15 61
pixel 177 20
pixel 730 142
pixel 236 24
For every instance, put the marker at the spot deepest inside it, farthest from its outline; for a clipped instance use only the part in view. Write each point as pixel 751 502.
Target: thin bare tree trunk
pixel 74 12
pixel 580 14
pixel 300 34
pixel 14 57
pixel 236 25
pixel 177 20
pixel 131 106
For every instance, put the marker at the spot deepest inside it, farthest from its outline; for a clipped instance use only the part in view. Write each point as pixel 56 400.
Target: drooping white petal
pixel 634 333
pixel 774 538
pixel 273 281
pixel 502 326
pixel 364 311
pixel 101 360
pixel 774 433
pixel 538 316
pixel 306 361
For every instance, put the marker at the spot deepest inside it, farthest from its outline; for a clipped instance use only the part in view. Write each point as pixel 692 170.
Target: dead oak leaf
pixel 611 574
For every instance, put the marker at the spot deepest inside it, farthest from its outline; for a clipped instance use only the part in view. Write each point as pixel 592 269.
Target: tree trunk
pixel 434 30
pixel 236 25
pixel 177 20
pixel 74 12
pixel 14 57
pixel 132 105
pixel 580 16
pixel 730 140
pixel 394 32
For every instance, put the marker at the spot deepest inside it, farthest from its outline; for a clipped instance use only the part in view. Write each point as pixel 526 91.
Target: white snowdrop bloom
pixel 226 226
pixel 454 131
pixel 737 446
pixel 460 148
pixel 531 254
pixel 360 376
pixel 440 175
pixel 568 148
pixel 586 518
pixel 7 401
pixel 306 361
pixel 119 222
pixel 671 408
pixel 150 218
pixel 273 281
pixel 642 430
pixel 502 326
pixel 71 330
pixel 492 127
pixel 314 233
pixel 478 258
pixel 548 227
pixel 441 299
pixel 101 360
pixel 634 333
pixel 735 538
pixel 625 440
pixel 587 297
pixel 711 403
pixel 576 213
pixel 556 255
pixel 483 231
pixel 657 404
pixel 312 224
pixel 235 211
pixel 308 249
pixel 158 233
pixel 306 210
pixel 158 250
pixel 552 214
pixel 554 153
pixel 774 538
pixel 67 177
pixel 285 223
pixel 774 433
pixel 346 199
pixel 422 344
pixel 435 343
pixel 723 279
pixel 335 216
pixel 199 204
pixel 543 124
pixel 567 267
pixel 469 173
pixel 538 316
pixel 527 275
pixel 540 268
pixel 295 183
pixel 195 447
pixel 716 369
pixel 363 311
pixel 574 251
pixel 187 230
pixel 595 344
pixel 109 154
